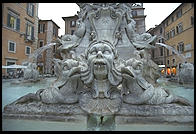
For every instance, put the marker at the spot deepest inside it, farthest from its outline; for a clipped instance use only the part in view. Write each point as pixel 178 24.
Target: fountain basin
pixel 65 117
pixel 128 113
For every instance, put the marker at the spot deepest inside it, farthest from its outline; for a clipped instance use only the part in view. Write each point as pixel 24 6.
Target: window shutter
pixel 39 28
pixel 8 20
pixel 26 29
pixel 192 20
pixel 28 8
pixel 177 29
pixel 33 10
pixel 43 28
pixel 32 33
pixel 18 24
pixel 182 47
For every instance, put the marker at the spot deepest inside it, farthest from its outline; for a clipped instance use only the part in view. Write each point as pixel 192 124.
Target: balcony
pixel 29 38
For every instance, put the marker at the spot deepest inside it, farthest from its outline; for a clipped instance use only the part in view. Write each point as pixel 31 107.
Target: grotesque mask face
pixel 100 57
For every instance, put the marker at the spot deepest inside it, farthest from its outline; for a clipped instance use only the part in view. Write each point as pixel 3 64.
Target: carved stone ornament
pixel 98 81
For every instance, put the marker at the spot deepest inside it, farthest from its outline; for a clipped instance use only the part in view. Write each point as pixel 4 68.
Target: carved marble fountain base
pixel 128 114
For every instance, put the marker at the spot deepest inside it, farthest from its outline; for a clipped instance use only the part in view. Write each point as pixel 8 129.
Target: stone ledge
pixel 165 113
pixel 69 118
pixel 39 108
pixel 155 110
pixel 128 114
pixel 155 119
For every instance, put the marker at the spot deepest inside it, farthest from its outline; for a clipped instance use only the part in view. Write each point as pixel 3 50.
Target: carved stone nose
pixel 99 54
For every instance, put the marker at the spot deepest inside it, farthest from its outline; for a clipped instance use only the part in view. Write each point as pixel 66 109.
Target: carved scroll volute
pixel 105 23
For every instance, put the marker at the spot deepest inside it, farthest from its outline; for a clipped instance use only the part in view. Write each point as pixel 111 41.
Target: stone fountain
pixel 31 73
pixel 100 81
pixel 185 73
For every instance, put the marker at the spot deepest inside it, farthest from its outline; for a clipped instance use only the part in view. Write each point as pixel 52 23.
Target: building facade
pixel 137 14
pixel 19 32
pixel 139 17
pixel 179 34
pixel 159 52
pixel 47 33
pixel 178 31
pixel 70 24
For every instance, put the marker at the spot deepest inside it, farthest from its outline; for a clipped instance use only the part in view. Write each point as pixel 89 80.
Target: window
pixel 188 55
pixel 30 9
pixel 180 47
pixel 161 51
pixel 166 23
pixel 11 46
pixel 192 20
pixel 29 31
pixel 173 61
pixel 55 31
pixel 72 23
pixel 27 50
pixel 167 52
pixel 172 32
pixel 41 42
pixel 72 32
pixel 137 4
pixel 188 47
pixel 41 28
pixel 13 21
pixel 172 19
pixel 10 62
pixel 134 13
pixel 167 36
pixel 161 30
pixel 179 14
pixel 168 62
pixel 173 49
pixel 179 28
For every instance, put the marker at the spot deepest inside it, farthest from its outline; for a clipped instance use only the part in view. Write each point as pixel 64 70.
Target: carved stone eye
pixel 68 39
pixel 106 52
pixel 93 52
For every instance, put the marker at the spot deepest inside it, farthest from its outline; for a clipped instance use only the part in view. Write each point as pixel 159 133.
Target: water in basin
pixel 11 92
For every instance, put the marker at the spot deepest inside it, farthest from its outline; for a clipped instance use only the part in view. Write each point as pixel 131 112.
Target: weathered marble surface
pixel 31 73
pixel 186 73
pixel 40 111
pixel 167 113
pixel 100 82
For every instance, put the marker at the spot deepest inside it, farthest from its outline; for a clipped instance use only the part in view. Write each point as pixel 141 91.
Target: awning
pixel 161 65
pixel 14 66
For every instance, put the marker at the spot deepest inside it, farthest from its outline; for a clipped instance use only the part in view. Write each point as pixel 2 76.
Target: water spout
pixel 181 56
pixel 40 50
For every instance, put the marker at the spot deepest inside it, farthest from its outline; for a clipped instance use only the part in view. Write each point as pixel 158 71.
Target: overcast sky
pixel 155 13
